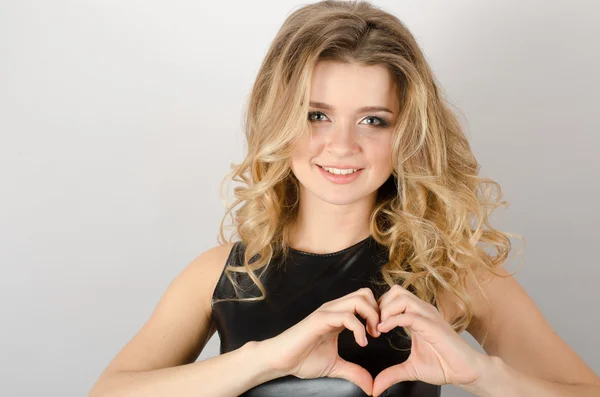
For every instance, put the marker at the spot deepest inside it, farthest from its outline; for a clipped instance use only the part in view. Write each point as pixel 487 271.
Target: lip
pixel 341 167
pixel 339 179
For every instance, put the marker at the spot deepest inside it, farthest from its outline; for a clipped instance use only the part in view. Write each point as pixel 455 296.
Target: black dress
pixel 294 290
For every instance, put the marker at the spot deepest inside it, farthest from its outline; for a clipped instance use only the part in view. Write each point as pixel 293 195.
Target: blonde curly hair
pixel 432 213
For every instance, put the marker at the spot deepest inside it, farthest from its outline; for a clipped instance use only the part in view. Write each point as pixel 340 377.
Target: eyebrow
pixel 363 109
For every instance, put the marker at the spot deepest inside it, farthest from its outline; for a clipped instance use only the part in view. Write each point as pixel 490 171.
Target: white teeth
pixel 338 171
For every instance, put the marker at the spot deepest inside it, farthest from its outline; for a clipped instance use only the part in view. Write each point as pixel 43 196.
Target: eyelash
pixel 382 122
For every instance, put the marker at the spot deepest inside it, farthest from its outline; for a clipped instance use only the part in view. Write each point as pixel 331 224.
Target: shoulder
pixel 182 318
pixel 210 263
pixel 206 270
pixel 452 308
pixel 213 259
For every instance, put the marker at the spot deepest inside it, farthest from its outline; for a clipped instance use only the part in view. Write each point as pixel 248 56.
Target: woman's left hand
pixel 438 354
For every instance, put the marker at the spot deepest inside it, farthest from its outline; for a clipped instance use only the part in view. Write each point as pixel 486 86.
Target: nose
pixel 341 140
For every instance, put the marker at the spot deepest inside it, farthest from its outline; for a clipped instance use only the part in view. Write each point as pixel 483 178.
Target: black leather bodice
pixel 297 287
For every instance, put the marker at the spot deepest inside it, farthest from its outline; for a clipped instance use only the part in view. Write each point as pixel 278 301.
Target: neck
pixel 322 228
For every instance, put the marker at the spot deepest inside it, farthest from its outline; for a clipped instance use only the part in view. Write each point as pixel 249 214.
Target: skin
pixel 520 359
pixel 526 357
pixel 343 135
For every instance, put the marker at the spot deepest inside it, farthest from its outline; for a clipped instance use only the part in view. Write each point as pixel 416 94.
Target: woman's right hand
pixel 309 349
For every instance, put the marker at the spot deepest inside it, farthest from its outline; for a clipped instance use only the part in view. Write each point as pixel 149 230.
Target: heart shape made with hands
pixel 438 354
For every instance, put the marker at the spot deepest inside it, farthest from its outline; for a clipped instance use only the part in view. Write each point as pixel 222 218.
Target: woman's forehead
pixel 350 86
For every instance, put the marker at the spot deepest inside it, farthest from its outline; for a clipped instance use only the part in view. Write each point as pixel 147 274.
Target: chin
pixel 341 198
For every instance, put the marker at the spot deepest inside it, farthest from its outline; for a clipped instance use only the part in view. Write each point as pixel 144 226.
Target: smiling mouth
pixel 340 171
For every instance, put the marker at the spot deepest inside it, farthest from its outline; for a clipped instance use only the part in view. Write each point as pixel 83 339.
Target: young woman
pixel 364 245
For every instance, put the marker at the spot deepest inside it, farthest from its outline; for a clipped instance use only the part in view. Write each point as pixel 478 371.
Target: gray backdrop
pixel 118 120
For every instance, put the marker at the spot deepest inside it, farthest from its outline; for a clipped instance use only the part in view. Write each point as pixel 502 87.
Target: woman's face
pixel 345 135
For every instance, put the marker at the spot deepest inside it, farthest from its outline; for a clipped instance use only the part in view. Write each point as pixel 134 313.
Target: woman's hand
pixel 438 354
pixel 309 349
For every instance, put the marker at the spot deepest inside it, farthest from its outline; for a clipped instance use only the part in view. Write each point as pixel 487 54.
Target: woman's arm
pixel 229 374
pixel 160 360
pixel 527 357
pixel 500 379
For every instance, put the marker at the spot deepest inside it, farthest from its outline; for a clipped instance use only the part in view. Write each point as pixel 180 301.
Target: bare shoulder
pixel 452 309
pixel 181 322
pixel 206 269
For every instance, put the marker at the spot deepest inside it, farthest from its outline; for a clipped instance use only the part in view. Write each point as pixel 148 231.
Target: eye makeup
pixel 381 123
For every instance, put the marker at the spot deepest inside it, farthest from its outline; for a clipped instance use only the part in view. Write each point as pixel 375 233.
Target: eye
pixel 375 121
pixel 311 114
pixel 379 121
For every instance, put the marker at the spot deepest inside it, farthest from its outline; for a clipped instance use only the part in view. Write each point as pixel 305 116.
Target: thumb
pixel 354 373
pixel 391 375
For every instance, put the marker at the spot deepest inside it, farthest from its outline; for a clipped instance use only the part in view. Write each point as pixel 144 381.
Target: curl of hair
pixel 432 213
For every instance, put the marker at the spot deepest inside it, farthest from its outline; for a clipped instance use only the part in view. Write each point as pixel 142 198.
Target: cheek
pixel 303 154
pixel 381 153
pixel 314 146
pixel 308 148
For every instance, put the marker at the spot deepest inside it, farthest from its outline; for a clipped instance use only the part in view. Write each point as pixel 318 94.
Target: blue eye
pixel 311 114
pixel 379 122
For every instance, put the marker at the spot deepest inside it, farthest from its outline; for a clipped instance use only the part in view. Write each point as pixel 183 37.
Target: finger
pixel 347 320
pixel 393 293
pixel 357 304
pixel 397 306
pixel 407 303
pixel 368 312
pixel 364 291
pixel 354 373
pixel 391 375
pixel 413 320
pixel 368 294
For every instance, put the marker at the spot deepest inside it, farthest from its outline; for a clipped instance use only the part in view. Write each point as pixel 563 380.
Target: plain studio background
pixel 119 119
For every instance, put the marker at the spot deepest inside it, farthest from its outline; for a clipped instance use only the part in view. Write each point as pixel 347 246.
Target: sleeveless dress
pixel 295 288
